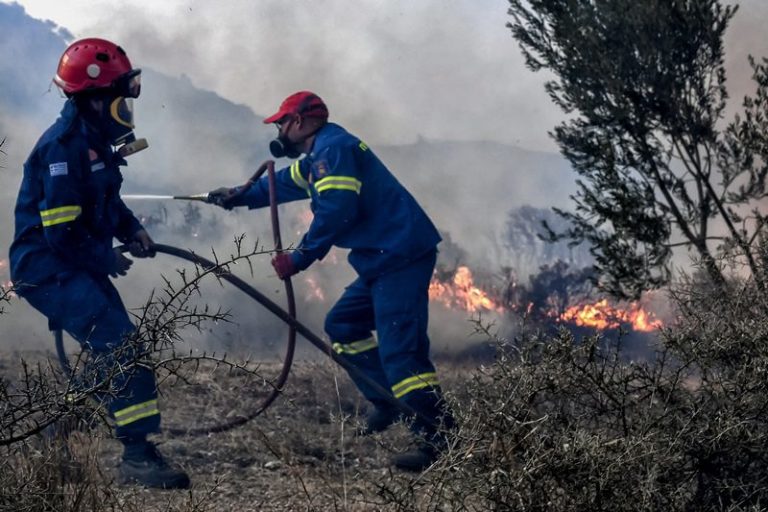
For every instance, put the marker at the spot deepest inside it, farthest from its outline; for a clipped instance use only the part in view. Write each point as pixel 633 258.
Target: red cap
pixel 306 103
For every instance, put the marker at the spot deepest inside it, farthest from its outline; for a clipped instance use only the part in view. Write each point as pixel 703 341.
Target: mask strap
pixel 114 111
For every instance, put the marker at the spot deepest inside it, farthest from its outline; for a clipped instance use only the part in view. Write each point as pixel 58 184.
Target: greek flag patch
pixel 58 169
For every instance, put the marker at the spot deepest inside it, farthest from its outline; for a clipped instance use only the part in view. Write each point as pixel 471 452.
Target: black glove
pixel 223 196
pixel 142 245
pixel 122 264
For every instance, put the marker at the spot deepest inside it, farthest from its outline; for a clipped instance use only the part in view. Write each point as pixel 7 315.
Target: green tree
pixel 643 85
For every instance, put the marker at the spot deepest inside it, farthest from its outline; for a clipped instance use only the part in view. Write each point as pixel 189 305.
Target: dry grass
pixel 301 454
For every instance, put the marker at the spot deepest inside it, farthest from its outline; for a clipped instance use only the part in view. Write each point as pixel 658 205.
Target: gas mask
pixel 282 147
pixel 117 118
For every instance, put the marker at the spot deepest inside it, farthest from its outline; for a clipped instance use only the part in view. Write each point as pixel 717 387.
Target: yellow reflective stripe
pixel 356 346
pixel 59 215
pixel 416 382
pixel 363 146
pixel 60 209
pixel 128 410
pixel 137 417
pixel 136 412
pixel 338 183
pixel 296 176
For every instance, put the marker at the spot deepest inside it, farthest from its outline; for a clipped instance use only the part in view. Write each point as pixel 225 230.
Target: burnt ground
pixel 300 454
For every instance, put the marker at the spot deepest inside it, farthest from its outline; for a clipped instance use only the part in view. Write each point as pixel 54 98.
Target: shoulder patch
pixel 92 155
pixel 59 169
pixel 320 169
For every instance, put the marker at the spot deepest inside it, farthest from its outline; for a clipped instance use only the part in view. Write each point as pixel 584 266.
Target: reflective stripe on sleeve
pixel 60 215
pixel 356 346
pixel 136 412
pixel 420 381
pixel 296 176
pixel 338 183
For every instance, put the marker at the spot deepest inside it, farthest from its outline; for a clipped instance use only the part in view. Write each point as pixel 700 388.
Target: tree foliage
pixel 643 84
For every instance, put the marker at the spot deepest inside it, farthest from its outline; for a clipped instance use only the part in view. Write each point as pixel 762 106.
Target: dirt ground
pixel 302 453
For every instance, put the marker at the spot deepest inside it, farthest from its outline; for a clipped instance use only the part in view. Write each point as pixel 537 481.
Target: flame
pixel 314 293
pixel 601 315
pixel 462 293
pixel 6 285
pixel 304 218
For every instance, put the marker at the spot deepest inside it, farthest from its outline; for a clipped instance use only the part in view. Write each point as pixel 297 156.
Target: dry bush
pixel 558 424
pixel 59 475
pixel 45 476
pixel 40 403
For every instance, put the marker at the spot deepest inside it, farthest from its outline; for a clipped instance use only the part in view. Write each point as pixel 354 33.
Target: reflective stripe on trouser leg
pixel 355 347
pixel 401 303
pixel 134 413
pixel 135 407
pixel 421 381
pixel 349 324
pixel 89 308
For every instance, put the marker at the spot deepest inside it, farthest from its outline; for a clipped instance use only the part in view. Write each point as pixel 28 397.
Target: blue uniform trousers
pixel 395 305
pixel 89 308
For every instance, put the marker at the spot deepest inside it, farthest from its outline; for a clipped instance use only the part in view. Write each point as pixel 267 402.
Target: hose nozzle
pixel 194 197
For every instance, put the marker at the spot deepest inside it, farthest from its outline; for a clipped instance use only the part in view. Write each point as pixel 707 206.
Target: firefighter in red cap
pixel 67 215
pixel 359 205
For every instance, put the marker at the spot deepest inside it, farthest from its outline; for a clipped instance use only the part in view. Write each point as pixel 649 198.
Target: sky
pixel 391 70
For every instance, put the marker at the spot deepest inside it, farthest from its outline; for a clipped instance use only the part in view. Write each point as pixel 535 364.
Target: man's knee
pixel 339 329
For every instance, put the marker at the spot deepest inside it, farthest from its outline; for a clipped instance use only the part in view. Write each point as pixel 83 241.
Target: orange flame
pixel 462 293
pixel 601 315
pixel 7 284
pixel 314 293
pixel 304 218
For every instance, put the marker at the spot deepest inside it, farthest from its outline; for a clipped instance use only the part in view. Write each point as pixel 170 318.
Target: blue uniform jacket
pixel 69 209
pixel 357 204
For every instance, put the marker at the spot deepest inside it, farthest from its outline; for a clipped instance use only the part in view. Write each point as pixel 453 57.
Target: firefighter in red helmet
pixel 68 213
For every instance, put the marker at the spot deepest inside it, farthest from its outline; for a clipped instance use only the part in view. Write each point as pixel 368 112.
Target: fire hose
pixel 289 317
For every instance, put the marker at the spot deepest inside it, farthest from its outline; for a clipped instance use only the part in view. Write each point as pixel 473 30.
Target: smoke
pixel 420 82
pixel 744 37
pixel 390 71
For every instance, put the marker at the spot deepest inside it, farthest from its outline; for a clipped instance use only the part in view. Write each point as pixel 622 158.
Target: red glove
pixel 284 265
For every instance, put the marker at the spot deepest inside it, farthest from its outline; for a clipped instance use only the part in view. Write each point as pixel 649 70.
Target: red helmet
pixel 96 64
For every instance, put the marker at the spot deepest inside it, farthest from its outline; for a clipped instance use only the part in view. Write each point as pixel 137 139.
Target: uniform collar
pixel 323 136
pixel 70 118
pixel 73 122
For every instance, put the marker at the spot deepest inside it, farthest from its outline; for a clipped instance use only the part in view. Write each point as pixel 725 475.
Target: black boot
pixel 418 459
pixel 432 428
pixel 142 464
pixel 379 419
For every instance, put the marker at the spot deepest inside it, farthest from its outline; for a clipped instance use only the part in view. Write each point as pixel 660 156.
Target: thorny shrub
pixel 558 423
pixel 37 472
